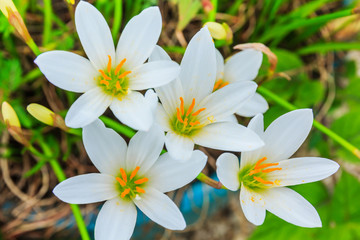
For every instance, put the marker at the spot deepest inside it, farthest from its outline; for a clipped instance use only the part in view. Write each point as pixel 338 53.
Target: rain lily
pixel 129 176
pixel 241 67
pixel 191 114
pixel 110 78
pixel 264 173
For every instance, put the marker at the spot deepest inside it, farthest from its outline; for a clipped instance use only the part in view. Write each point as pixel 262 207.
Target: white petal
pixel 291 206
pixel 256 104
pixel 116 220
pixel 179 147
pixel 106 148
pixel 167 174
pixel 162 118
pixel 257 124
pixel 87 108
pixel 230 118
pixel 161 209
pixel 252 205
pixel 228 136
pixel 139 37
pixel 158 54
pixel 153 74
pixel 134 111
pixel 67 70
pixel 169 96
pixel 144 149
pixel 286 134
pixel 302 170
pixel 227 100
pixel 228 171
pixel 198 67
pixel 243 66
pixel 94 34
pixel 219 65
pixel 87 188
pixel 151 99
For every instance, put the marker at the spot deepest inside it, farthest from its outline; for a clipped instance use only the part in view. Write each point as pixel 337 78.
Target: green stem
pixel 32 45
pixel 118 127
pixel 117 19
pixel 334 136
pixel 60 175
pixel 212 13
pixel 209 181
pixel 47 21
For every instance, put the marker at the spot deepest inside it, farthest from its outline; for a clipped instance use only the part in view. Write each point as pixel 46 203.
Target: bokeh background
pixel 318 50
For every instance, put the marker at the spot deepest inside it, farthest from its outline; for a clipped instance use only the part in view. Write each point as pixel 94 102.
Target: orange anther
pixel 185 122
pixel 139 190
pixel 118 67
pixel 252 172
pixel 191 107
pixel 194 123
pixel 270 170
pixel 262 180
pixel 104 82
pixel 123 174
pixel 198 111
pixel 224 84
pixel 109 65
pixel 118 86
pixel 259 162
pixel 134 172
pixel 124 74
pixel 182 105
pixel 178 115
pixel 217 84
pixel 142 180
pixel 266 165
pixel 122 183
pixel 125 192
pixel 104 75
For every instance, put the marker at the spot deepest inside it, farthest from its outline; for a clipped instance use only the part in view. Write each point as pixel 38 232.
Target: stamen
pixel 124 74
pixel 139 190
pixel 122 183
pixel 217 84
pixel 252 172
pixel 194 123
pixel 118 67
pixel 224 84
pixel 182 105
pixel 270 170
pixel 123 174
pixel 185 122
pixel 125 192
pixel 104 75
pixel 191 107
pixel 262 180
pixel 142 180
pixel 118 86
pixel 104 82
pixel 178 115
pixel 109 65
pixel 134 172
pixel 259 162
pixel 266 165
pixel 198 111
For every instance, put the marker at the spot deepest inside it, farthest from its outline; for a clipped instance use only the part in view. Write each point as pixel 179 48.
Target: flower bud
pixel 45 115
pixel 12 123
pixel 220 31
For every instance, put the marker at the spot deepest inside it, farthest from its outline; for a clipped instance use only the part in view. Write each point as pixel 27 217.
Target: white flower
pixel 191 114
pixel 110 78
pixel 242 66
pixel 129 176
pixel 264 173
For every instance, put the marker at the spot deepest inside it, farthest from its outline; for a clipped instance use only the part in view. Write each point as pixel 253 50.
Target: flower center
pixel 186 122
pixel 220 84
pixel 254 176
pixel 114 82
pixel 131 186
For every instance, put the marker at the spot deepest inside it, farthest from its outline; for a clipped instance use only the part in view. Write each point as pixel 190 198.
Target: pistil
pixel 130 185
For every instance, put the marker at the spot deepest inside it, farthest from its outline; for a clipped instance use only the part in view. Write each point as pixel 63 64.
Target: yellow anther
pixel 182 105
pixel 191 107
pixel 198 111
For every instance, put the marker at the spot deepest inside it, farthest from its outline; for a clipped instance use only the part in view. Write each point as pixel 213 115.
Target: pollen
pixel 130 184
pixel 114 82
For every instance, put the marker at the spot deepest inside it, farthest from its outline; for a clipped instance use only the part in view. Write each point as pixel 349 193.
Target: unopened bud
pixel 45 115
pixel 71 1
pixel 12 123
pixel 220 31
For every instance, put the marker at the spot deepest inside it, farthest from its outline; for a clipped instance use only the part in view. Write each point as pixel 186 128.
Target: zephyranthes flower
pixel 264 173
pixel 243 66
pixel 129 176
pixel 109 77
pixel 192 114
